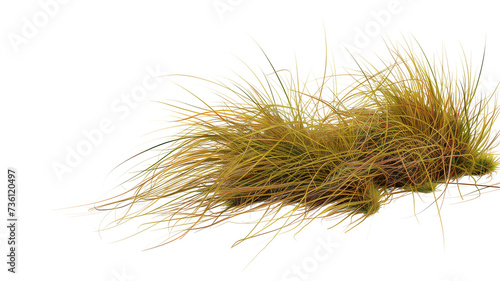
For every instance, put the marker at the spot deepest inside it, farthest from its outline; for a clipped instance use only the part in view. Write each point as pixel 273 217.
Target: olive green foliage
pixel 289 154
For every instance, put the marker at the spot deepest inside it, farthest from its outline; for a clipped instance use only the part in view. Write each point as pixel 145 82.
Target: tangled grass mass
pixel 293 155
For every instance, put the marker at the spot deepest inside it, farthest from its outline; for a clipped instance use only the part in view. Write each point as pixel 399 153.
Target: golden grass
pixel 292 155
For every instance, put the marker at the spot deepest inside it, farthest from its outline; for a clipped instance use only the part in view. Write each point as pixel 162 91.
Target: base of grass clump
pixel 484 165
pixel 371 201
pixel 422 188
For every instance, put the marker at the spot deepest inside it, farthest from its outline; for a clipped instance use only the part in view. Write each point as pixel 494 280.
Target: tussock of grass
pixel 293 155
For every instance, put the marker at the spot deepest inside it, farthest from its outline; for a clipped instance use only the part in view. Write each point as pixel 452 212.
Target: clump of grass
pixel 293 155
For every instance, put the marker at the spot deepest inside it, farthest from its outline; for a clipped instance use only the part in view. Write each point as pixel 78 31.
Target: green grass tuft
pixel 291 154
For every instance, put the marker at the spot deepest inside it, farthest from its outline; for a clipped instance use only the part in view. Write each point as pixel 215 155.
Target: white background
pixel 67 67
